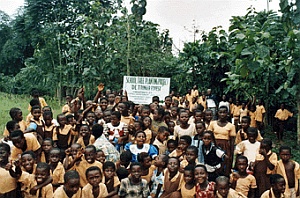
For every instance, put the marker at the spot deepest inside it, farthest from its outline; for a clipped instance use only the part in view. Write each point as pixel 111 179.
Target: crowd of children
pixel 111 147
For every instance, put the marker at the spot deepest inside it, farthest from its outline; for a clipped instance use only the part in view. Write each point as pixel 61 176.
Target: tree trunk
pixel 298 119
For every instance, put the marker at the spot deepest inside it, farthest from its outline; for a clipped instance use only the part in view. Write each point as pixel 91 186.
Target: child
pixel 172 179
pixel 147 121
pixel 57 170
pixel 110 179
pixel 66 108
pixel 9 184
pixel 213 156
pixel 174 114
pixel 62 135
pixel 224 191
pixel 260 115
pixel 10 127
pixel 171 146
pixel 240 180
pixel 191 156
pixel 188 189
pixel 116 130
pixel 36 124
pixel 184 142
pixel 16 115
pixel 86 138
pixel 277 187
pixel 264 164
pixel 290 170
pixel 224 133
pixel 242 133
pixel 90 119
pixel 243 111
pixel 184 128
pixel 24 142
pixel 208 115
pixel 200 128
pixel 158 119
pixel 71 187
pixel 28 162
pixel 88 161
pixel 125 160
pixel 147 168
pixel 160 141
pixel 252 115
pixel 204 188
pixel 134 185
pixel 100 156
pixel 73 156
pixel 94 188
pixel 282 116
pixel 250 147
pixel 157 179
pixel 171 126
pixel 47 145
pixel 140 146
pixel 49 125
pixel 123 108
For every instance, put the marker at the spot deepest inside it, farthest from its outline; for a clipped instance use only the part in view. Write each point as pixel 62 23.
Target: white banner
pixel 140 90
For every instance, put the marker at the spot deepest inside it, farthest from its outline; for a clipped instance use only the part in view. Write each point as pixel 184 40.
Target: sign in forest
pixel 140 90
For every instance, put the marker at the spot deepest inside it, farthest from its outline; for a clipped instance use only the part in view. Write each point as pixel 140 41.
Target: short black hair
pixel 275 178
pixel 109 164
pixel 285 148
pixel 44 166
pixel 48 113
pixel 10 125
pixel 252 130
pixel 171 141
pixel 16 133
pixel 190 168
pixel 174 158
pixel 240 157
pixel 135 164
pixel 92 147
pixel 29 153
pixel 6 147
pixel 186 138
pixel 222 179
pixel 93 168
pixel 122 173
pixel 49 139
pixel 34 102
pixel 126 156
pixel 194 149
pixel 117 114
pixel 248 119
pixel 13 112
pixel 201 166
pixel 162 129
pixel 35 107
pixel 72 174
pixel 223 107
pixel 97 130
pixel 141 156
pixel 136 133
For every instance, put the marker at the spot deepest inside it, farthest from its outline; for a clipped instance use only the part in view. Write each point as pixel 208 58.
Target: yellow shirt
pixel 236 110
pixel 252 121
pixel 58 174
pixel 81 141
pixel 260 110
pixel 23 127
pixel 162 146
pixel 116 181
pixel 42 103
pixel 189 98
pixel 232 194
pixel 283 114
pixel 8 182
pixel 60 193
pixel 238 137
pixel 127 120
pixel 186 193
pixel 87 191
pixel 243 185
pixel 222 133
pixel 32 144
pixel 280 169
pixel 81 168
pixel 148 136
pixel 270 194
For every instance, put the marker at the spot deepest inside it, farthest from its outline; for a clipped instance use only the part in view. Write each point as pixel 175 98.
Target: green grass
pixel 8 101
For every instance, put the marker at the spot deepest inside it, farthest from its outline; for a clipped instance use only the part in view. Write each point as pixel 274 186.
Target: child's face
pixel 16 127
pixel 103 104
pixel 137 126
pixel 200 175
pixel 47 146
pixel 241 165
pixel 208 116
pixel 19 116
pixel 156 116
pixel 200 128
pixel 223 113
pixel 75 149
pixel 136 172
pixel 162 136
pixel 184 117
pixel 36 113
pixel 252 137
pixel 107 116
pixel 114 120
pixel 207 139
pixel 98 114
pixel 111 98
pixel 100 156
pixel 191 156
pixel 182 145
pixel 94 177
pixel 140 139
pixel 147 162
pixel 62 120
pixel 121 108
pixel 265 147
pixel 145 113
pixel 72 186
pixel 90 155
pixel 171 126
pixel 223 188
pixel 90 117
pixel 198 116
pixel 18 142
pixel 279 186
pixel 84 131
pixel 173 165
pixel 109 172
pixel 174 112
pixel 47 120
pixel 4 155
pixel 171 147
pixel 167 118
pixel 27 162
pixel 41 175
pixel 158 161
pixel 147 122
pixel 54 156
pixel 168 101
pixel 245 124
pixel 188 176
pixel 285 155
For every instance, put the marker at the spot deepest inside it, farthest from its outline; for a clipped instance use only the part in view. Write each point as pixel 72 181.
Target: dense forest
pixel 58 46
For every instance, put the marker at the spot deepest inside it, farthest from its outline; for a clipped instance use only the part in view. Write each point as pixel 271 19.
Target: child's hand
pixel 117 100
pixel 33 190
pixel 235 176
pixel 100 87
pixel 9 165
pixel 78 155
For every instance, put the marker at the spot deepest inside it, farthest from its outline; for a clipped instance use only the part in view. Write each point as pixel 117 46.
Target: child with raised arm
pixel 71 187
pixel 134 185
pixel 264 165
pixel 240 180
pixel 94 188
pixel 110 179
pixel 57 170
pixel 290 171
